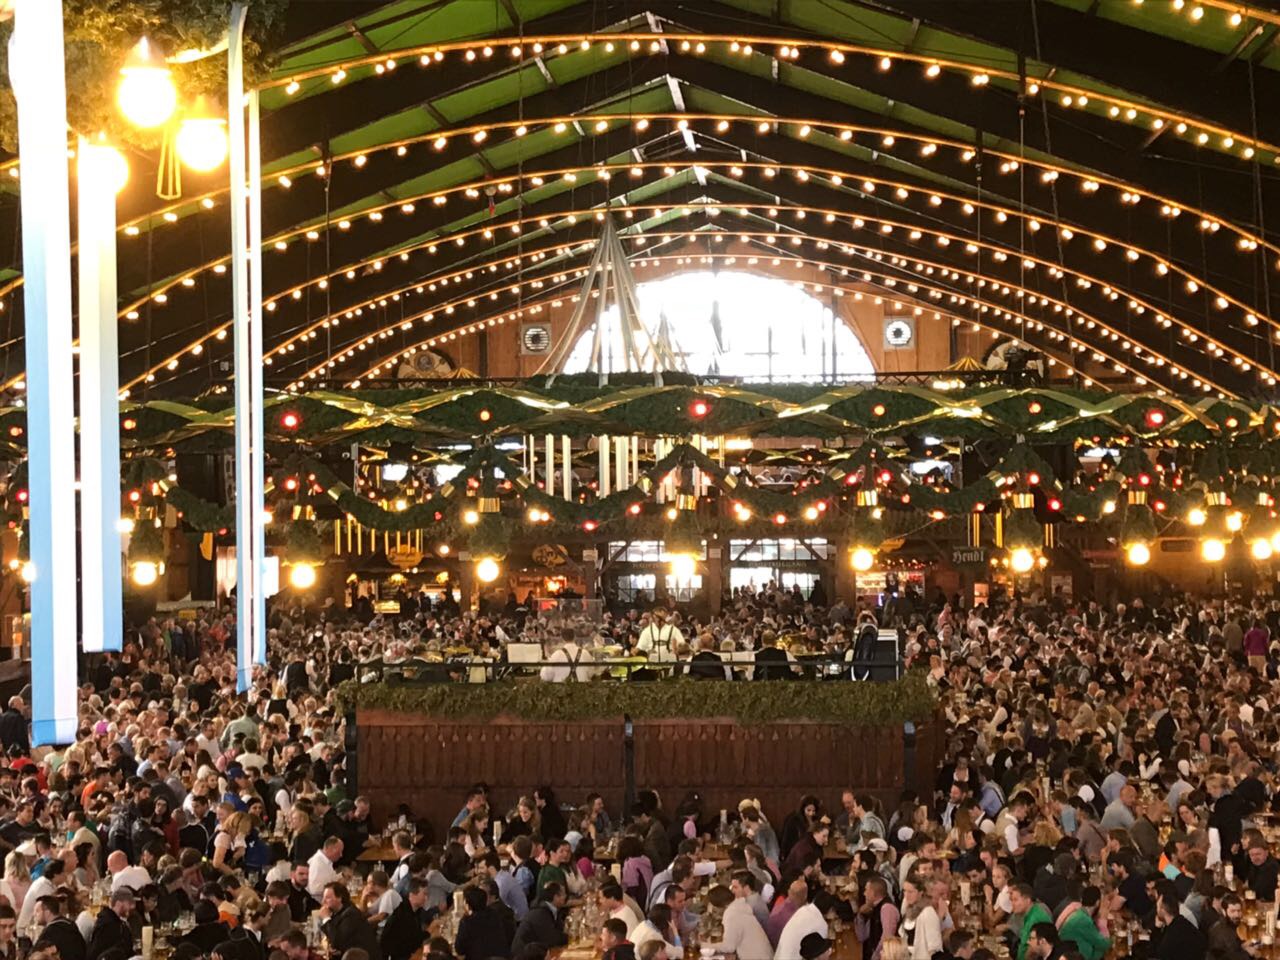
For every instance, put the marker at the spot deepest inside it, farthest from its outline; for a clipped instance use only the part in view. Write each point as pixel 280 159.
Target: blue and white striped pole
pixel 248 569
pixel 101 578
pixel 37 75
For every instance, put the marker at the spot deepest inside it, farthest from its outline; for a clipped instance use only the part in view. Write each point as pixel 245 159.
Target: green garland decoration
pixel 426 416
pixel 304 541
pixel 1238 445
pixel 864 704
pixel 1023 531
pixel 200 514
pixel 683 535
pixel 1138 526
pixel 146 544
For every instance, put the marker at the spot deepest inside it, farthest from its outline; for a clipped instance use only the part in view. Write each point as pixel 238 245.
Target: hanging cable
pixel 1259 212
pixel 1071 319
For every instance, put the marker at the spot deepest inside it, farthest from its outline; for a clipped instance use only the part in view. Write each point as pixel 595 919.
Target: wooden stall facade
pixel 429 762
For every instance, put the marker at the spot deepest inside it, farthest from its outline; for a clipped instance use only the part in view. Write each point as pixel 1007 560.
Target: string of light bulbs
pixel 471 299
pixel 770 170
pixel 1108 104
pixel 878 279
pixel 1135 304
pixel 349 350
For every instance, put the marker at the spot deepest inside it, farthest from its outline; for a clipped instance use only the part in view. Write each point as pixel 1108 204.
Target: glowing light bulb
pixel 302 576
pixel 1213 550
pixel 487 570
pixel 1138 554
pixel 1196 517
pixel 146 95
pixel 1021 560
pixel 102 165
pixel 145 573
pixel 202 142
pixel 1261 549
pixel 861 559
pixel 683 565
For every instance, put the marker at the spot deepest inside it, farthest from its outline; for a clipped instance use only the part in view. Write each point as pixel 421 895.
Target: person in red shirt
pixel 1255 646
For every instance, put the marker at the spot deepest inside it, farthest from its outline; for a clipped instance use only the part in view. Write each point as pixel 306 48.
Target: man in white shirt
pixel 743 935
pixel 207 738
pixel 806 920
pixel 1008 821
pixel 659 640
pixel 566 657
pixel 652 929
pixel 251 758
pixel 42 886
pixel 613 902
pixel 123 875
pixel 402 847
pixel 321 866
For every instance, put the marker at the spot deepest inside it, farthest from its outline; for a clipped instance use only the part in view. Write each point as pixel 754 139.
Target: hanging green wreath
pixel 304 541
pixel 1022 531
pixel 146 544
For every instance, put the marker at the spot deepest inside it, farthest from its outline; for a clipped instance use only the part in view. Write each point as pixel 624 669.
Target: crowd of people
pixel 1107 788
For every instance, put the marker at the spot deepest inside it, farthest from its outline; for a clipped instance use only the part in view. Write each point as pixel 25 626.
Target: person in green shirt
pixel 1079 924
pixel 558 854
pixel 1024 905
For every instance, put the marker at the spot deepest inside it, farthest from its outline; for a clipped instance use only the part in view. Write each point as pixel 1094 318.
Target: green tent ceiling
pixel 974 181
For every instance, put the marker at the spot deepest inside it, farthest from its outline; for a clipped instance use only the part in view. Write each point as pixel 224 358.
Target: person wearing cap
pixel 347 824
pixel 743 935
pixel 111 930
pixel 806 919
pixel 814 946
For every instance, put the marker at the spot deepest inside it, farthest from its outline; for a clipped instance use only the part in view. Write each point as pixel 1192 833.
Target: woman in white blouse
pixel 921 926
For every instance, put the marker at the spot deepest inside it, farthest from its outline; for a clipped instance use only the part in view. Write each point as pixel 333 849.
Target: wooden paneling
pixel 429 762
